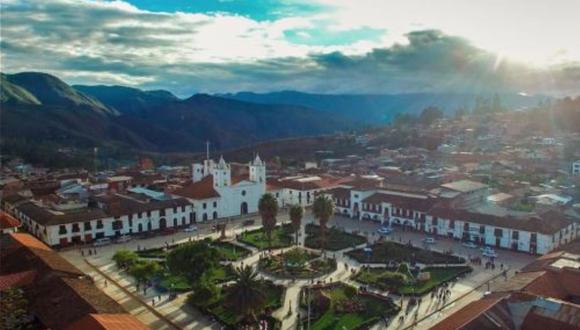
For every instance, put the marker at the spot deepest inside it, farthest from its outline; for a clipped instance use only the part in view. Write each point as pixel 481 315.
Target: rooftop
pixel 464 186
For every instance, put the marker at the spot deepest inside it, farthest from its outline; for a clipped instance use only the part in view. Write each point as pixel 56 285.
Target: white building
pixel 436 215
pixel 215 193
pixel 115 215
pixel 576 167
pixel 300 189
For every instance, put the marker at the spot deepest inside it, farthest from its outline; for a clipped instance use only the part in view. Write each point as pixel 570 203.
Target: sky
pixel 320 46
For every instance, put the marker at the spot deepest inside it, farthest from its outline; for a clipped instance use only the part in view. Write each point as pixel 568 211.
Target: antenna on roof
pixel 207 150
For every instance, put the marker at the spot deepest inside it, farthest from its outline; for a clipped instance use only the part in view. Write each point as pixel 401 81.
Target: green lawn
pixel 391 251
pixel 281 238
pixel 180 284
pixel 373 310
pixel 335 239
pixel 439 275
pixel 229 251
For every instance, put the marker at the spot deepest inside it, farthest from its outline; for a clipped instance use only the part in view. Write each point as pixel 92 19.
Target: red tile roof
pixel 547 223
pixel 202 189
pixel 468 313
pixel 8 221
pixel 107 322
pixel 405 202
pixel 17 279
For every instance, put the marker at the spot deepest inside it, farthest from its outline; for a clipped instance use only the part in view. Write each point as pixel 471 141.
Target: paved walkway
pixel 177 314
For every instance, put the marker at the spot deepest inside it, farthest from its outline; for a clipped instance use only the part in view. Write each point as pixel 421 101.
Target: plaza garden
pixel 282 237
pixel 406 281
pixel 388 252
pixel 202 268
pixel 297 263
pixel 335 239
pixel 341 306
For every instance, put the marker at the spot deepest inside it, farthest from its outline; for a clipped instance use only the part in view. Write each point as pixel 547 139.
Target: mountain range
pixel 38 108
pixel 373 109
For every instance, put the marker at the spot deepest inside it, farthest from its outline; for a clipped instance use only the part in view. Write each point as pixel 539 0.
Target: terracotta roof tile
pixel 468 313
pixel 107 322
pixel 8 221
pixel 202 189
pixel 17 279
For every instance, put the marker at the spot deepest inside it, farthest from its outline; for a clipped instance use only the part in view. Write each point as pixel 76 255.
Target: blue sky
pixel 259 10
pixel 326 46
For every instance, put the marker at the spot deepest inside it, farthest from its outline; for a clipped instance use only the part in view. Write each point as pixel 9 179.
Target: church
pixel 215 193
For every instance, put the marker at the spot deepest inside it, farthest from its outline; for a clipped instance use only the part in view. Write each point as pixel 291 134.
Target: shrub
pixel 144 270
pixel 350 291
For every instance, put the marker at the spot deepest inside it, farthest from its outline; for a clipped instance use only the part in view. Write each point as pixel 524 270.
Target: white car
pixel 429 240
pixel 190 229
pixel 385 230
pixel 470 245
pixel 123 239
pixel 102 241
pixel 489 254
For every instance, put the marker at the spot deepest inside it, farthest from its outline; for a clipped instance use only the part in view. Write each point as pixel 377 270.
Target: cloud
pixel 114 42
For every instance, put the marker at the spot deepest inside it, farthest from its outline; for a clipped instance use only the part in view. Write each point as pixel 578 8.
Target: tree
pixel 245 297
pixel 144 270
pixel 323 209
pixel 14 307
pixel 268 207
pixel 429 115
pixel 192 260
pixel 125 258
pixel 296 214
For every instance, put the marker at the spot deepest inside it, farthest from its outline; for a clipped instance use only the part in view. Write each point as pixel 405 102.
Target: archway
pixel 244 208
pixel 162 223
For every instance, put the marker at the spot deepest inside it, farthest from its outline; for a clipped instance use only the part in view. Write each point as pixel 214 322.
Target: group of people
pixel 90 252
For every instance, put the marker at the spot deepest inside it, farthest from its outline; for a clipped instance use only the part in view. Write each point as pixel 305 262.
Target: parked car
pixel 429 240
pixel 190 229
pixel 385 230
pixel 470 245
pixel 123 239
pixel 102 241
pixel 489 254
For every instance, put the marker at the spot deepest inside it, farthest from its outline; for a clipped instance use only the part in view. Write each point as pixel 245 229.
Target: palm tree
pixel 245 297
pixel 323 209
pixel 296 213
pixel 268 207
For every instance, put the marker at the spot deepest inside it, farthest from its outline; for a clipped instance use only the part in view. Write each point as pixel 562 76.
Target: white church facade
pixel 215 193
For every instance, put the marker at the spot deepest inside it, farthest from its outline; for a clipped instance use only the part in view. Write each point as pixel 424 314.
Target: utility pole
pixel 309 291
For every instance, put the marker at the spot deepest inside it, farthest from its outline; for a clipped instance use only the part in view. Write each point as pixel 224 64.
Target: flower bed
pixel 339 306
pixel 297 263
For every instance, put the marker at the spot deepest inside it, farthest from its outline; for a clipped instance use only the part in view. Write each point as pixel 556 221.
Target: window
pixel 482 229
pixel 75 228
pixel 183 208
pixel 149 214
pixel 435 221
pixel 355 195
pixel 204 206
pixel 99 224
pixel 130 222
pixel 515 234
pixel 244 193
pixel 214 204
pixel 62 230
pixel 175 209
pixel 162 212
pixel 88 225
pixel 498 232
pixel 277 195
pixel 117 225
pixel 534 237
pixel 215 215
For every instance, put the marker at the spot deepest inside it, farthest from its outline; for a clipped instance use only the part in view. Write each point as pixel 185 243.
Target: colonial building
pixel 437 212
pixel 112 216
pixel 215 193
pixel 300 189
